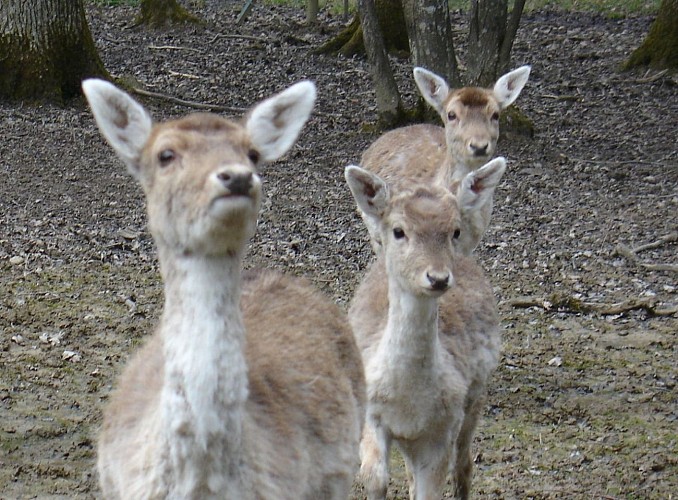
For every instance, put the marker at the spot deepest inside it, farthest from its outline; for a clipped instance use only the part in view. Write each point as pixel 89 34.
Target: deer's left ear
pixel 508 87
pixel 274 124
pixel 477 188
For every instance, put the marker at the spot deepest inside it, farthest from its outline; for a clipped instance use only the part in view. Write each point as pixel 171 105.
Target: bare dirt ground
pixel 584 403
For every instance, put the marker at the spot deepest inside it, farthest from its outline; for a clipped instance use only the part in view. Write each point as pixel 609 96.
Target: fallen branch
pixel 568 303
pixel 172 47
pixel 243 37
pixel 190 104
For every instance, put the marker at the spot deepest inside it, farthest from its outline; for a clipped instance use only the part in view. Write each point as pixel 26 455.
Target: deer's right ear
pixel 123 122
pixel 433 88
pixel 477 188
pixel 369 191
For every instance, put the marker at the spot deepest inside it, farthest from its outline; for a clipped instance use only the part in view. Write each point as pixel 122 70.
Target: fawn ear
pixel 274 124
pixel 508 87
pixel 369 191
pixel 123 122
pixel 477 188
pixel 433 88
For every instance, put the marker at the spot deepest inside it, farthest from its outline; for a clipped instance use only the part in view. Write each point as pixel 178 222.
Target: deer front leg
pixel 374 455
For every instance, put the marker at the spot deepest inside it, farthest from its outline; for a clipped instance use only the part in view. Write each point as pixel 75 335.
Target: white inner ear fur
pixel 123 122
pixel 274 124
pixel 433 88
pixel 508 87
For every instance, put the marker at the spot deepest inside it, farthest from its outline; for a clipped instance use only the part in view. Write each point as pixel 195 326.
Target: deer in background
pixel 426 322
pixel 252 385
pixel 427 153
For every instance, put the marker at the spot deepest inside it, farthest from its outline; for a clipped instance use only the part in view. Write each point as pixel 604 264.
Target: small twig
pixel 190 104
pixel 651 78
pixel 655 244
pixel 172 47
pixel 561 97
pixel 185 75
pixel 631 254
pixel 243 37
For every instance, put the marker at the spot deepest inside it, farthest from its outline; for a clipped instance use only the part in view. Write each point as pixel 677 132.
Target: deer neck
pixel 411 335
pixel 205 383
pixel 452 169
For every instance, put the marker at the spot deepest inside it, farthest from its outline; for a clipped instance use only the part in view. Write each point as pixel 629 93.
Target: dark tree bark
pixel 159 13
pixel 349 42
pixel 46 50
pixel 430 35
pixel 659 50
pixel 389 106
pixel 490 39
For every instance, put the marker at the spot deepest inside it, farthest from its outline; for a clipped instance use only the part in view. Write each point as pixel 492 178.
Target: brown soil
pixel 583 404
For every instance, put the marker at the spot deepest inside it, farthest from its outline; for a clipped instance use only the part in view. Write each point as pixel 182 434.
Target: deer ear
pixel 369 191
pixel 508 87
pixel 123 122
pixel 274 124
pixel 433 88
pixel 477 188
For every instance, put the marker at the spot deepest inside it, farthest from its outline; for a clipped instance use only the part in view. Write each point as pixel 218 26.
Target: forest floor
pixel 584 402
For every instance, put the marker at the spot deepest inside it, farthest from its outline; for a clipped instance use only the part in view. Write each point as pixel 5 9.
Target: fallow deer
pixel 426 322
pixel 428 153
pixel 252 385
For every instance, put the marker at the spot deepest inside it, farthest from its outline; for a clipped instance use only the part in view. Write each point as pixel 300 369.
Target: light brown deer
pixel 428 153
pixel 252 385
pixel 426 322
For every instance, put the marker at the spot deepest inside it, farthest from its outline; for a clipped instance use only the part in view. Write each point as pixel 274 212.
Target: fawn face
pixel 420 230
pixel 203 192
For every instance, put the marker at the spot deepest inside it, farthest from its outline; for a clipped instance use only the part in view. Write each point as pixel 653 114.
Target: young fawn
pixel 428 153
pixel 426 322
pixel 252 385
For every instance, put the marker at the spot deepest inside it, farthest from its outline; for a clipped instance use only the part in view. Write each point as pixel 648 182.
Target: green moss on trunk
pixel 51 70
pixel 660 48
pixel 349 42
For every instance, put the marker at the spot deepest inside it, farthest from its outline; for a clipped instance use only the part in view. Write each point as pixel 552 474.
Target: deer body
pixel 426 323
pixel 252 385
pixel 426 153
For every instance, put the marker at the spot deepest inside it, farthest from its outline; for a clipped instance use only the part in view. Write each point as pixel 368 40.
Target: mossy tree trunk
pixel 349 42
pixel 660 48
pixel 46 50
pixel 159 13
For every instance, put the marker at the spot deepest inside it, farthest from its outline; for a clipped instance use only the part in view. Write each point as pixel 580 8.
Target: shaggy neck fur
pixel 411 336
pixel 205 383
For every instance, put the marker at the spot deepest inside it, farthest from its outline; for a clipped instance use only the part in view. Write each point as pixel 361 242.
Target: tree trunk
pixel 487 29
pixel 430 36
pixel 46 50
pixel 349 42
pixel 660 48
pixel 311 11
pixel 389 106
pixel 159 13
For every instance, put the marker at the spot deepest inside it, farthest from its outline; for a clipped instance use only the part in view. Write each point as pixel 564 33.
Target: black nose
pixel 237 184
pixel 479 150
pixel 438 282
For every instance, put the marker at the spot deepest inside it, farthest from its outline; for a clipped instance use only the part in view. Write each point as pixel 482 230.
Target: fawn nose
pixel 439 281
pixel 479 149
pixel 237 183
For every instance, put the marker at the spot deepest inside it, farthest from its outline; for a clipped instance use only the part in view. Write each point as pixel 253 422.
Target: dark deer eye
pixel 495 116
pixel 253 155
pixel 456 234
pixel 165 157
pixel 451 116
pixel 398 233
